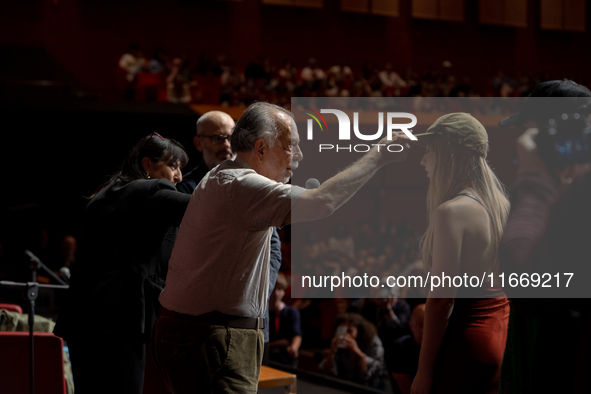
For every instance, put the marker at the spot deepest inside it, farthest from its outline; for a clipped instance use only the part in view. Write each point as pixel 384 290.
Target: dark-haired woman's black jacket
pixel 114 280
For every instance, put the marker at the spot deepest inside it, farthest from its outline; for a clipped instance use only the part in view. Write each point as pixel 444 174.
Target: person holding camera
pixel 548 230
pixel 356 352
pixel 388 313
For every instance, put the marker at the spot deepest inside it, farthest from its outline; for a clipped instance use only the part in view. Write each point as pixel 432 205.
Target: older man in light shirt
pixel 209 333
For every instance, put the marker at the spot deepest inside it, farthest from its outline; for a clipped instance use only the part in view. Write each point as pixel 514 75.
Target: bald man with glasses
pixel 214 129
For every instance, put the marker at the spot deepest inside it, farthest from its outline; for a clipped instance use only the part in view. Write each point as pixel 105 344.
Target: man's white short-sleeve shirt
pixel 220 261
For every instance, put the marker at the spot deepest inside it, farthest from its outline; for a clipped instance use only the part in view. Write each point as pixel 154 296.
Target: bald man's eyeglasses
pixel 217 139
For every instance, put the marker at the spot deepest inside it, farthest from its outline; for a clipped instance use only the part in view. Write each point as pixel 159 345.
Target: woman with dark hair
pixel 465 329
pixel 118 275
pixel 356 352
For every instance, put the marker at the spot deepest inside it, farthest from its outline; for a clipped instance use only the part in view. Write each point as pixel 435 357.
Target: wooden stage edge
pixel 271 377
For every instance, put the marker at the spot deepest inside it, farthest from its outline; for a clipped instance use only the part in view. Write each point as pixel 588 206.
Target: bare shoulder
pixel 450 208
pixel 448 218
pixel 459 211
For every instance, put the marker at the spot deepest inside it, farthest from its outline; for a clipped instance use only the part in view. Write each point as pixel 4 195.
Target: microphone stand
pixel 32 293
pixel 36 264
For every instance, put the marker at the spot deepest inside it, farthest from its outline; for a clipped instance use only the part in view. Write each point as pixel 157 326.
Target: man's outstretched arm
pixel 336 191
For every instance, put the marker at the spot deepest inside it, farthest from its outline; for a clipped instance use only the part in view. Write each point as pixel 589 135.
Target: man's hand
pixel 398 138
pixel 530 161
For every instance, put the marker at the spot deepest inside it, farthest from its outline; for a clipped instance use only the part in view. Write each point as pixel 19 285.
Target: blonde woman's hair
pixel 455 167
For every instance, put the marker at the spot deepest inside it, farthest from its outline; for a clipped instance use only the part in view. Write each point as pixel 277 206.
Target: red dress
pixel 471 354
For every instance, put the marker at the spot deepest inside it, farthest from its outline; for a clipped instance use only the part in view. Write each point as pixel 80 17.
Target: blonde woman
pixel 464 338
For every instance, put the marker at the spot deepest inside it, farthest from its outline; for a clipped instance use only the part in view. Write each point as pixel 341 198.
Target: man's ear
pixel 197 143
pixel 260 148
pixel 147 164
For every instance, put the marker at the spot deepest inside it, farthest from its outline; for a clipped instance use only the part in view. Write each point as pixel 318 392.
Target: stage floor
pixel 305 387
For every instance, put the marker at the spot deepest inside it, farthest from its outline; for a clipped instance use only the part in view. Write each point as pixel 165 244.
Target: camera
pixel 565 140
pixel 341 334
pixel 564 131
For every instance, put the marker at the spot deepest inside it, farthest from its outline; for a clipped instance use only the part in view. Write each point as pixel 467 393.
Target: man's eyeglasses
pixel 217 139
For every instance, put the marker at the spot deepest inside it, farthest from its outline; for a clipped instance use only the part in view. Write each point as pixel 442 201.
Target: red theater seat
pixel 14 363
pixel 149 85
pixel 12 308
pixel 148 79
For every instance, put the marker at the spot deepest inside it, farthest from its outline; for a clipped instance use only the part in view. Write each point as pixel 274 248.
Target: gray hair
pixel 257 122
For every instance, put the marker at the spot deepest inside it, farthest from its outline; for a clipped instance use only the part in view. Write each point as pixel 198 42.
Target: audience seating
pixel 149 86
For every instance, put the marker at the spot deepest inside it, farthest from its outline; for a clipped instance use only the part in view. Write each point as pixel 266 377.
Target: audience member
pixel 342 242
pixel 132 62
pixel 66 258
pixel 160 62
pixel 285 332
pixel 68 247
pixel 390 316
pixel 403 360
pixel 233 88
pixel 356 352
pixel 179 83
pixel 391 81
pixel 548 230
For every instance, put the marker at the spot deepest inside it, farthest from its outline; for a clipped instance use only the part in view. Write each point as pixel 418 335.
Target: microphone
pixel 312 183
pixel 65 272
